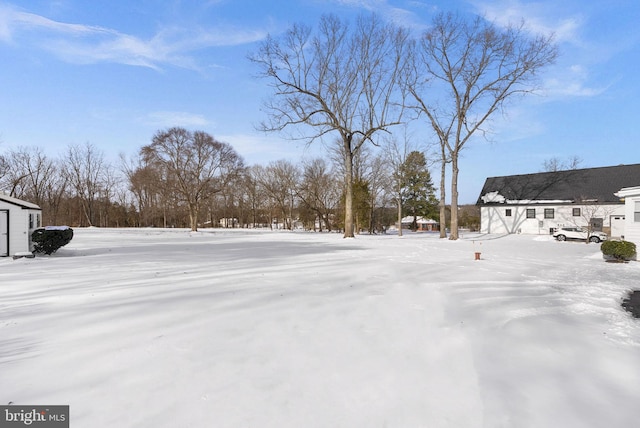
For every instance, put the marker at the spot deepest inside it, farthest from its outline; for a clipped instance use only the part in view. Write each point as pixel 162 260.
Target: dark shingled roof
pixel 572 185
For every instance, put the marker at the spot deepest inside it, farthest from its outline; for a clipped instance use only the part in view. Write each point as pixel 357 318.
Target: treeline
pixel 189 179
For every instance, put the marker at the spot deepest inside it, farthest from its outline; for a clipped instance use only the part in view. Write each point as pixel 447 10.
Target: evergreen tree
pixel 418 192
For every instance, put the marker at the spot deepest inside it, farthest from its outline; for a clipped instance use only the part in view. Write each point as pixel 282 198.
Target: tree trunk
pixel 327 222
pixel 372 217
pixel 87 212
pixel 164 215
pixel 399 215
pixel 193 218
pixel 348 194
pixel 454 196
pixel 443 203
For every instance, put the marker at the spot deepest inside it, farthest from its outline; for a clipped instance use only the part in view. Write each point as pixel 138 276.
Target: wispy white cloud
pixel 573 81
pixel 538 18
pixel 572 76
pixel 517 123
pixel 400 16
pixel 14 21
pixel 262 149
pixel 86 44
pixel 367 4
pixel 175 118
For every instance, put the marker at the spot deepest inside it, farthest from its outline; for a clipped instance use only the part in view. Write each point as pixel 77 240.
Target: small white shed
pixel 423 224
pixel 18 219
pixel 631 197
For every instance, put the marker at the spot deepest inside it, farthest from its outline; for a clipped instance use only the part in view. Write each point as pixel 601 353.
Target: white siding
pixel 19 232
pixel 632 227
pixel 496 219
pixel 617 226
pixel 4 233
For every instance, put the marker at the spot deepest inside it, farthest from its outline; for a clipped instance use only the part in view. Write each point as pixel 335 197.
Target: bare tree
pixel 55 190
pixel 85 169
pixel 40 170
pixel 4 169
pixel 319 191
pixel 34 176
pixel 255 197
pixel 111 181
pixel 592 215
pixel 339 80
pixel 15 177
pixel 193 165
pixel 227 208
pixel 279 180
pixel 145 184
pixel 465 71
pixel 555 164
pixel 378 176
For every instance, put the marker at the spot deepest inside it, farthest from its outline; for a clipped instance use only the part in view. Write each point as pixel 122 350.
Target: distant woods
pixel 190 179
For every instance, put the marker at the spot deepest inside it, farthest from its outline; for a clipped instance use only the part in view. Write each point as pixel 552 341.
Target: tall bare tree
pixel 338 79
pixel 55 190
pixel 378 175
pixel 85 168
pixel 319 191
pixel 465 71
pixel 279 180
pixel 40 171
pixel 145 183
pixel 16 174
pixel 255 197
pixel 34 176
pixel 193 165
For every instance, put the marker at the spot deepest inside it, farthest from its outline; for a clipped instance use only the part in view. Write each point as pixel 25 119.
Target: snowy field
pixel 167 328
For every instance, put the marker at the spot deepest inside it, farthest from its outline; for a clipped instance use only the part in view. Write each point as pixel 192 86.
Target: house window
pixel 548 213
pixel 531 213
pixel 507 212
pixel 576 212
pixel 38 221
pixel 636 212
pixel 30 221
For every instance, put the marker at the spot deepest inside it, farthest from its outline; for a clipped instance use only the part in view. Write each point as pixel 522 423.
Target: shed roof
pixel 419 219
pixel 589 184
pixel 18 202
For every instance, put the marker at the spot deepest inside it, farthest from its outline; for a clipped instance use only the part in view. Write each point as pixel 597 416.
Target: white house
pixel 631 196
pixel 539 203
pixel 18 219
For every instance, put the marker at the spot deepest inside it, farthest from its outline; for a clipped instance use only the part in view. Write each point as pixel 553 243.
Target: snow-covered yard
pixel 167 328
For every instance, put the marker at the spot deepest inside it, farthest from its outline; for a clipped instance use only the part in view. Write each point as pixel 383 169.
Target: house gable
pixel 580 185
pixel 539 203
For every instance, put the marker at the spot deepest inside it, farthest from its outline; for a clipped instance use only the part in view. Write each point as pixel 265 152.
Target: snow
pixel 239 328
pixel 496 198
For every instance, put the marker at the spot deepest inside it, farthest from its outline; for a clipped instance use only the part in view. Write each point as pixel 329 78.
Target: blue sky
pixel 112 73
